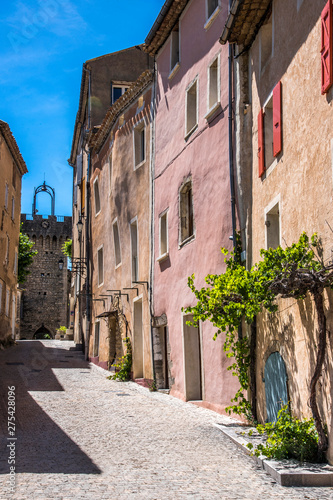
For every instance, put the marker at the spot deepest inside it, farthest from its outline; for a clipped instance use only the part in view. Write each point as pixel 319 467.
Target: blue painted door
pixel 275 385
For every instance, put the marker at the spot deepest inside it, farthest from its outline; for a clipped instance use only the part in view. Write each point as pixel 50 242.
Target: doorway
pixel 192 361
pixel 275 385
pixel 137 340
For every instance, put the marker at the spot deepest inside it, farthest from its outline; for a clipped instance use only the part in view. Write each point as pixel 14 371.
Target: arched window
pixel 54 243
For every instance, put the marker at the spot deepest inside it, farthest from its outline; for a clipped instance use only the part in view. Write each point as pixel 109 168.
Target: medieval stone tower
pixel 46 291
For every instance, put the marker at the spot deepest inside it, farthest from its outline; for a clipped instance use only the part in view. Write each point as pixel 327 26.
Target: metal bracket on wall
pixel 142 283
pixel 134 288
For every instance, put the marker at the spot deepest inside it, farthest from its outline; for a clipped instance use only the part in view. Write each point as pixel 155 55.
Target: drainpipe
pixel 231 155
pixel 88 312
pixel 152 194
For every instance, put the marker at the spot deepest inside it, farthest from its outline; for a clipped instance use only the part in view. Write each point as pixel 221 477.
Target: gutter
pixel 166 6
pixel 233 8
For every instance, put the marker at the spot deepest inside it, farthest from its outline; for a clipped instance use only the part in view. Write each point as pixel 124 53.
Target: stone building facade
pixel 284 141
pixel 104 80
pixel 12 168
pixel 46 292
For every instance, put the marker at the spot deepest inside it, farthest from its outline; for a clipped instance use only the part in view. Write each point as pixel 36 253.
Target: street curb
pixel 285 472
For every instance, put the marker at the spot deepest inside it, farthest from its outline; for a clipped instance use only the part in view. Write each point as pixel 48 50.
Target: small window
pixel 6 196
pixel 213 85
pixel 191 119
pixel 212 5
pixel 164 244
pixel 272 223
pixel 100 264
pixel 186 212
pixel 118 91
pixel 96 339
pixel 7 251
pixel 13 208
pixel 83 195
pixel 116 242
pixel 139 145
pixel 134 251
pixel 266 41
pixel 14 176
pixel 268 132
pixel 15 262
pixel 174 48
pixel 7 301
pixel 110 172
pixel 0 297
pixel 97 198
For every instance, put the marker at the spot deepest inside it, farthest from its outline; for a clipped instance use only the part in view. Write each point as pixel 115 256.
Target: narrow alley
pixel 82 436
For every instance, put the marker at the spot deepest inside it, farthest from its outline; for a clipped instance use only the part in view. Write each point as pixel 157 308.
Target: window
pixel 97 198
pixel 7 251
pixel 100 264
pixel 79 168
pixel 139 145
pixel 117 91
pixel 7 301
pixel 266 41
pixel 110 172
pixel 213 94
pixel 96 339
pixel 116 242
pixel 134 250
pixel 0 297
pixel 163 233
pixel 174 49
pixel 326 48
pixel 212 5
pixel 13 208
pixel 15 261
pixel 14 176
pixel 191 118
pixel 270 129
pixel 186 212
pixel 83 195
pixel 6 196
pixel 272 222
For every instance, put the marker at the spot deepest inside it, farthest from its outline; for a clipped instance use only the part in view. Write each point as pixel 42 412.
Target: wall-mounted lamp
pixel 61 264
pixel 79 226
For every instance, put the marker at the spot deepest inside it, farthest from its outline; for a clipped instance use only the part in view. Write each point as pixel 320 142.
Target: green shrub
pixel 288 438
pixel 124 366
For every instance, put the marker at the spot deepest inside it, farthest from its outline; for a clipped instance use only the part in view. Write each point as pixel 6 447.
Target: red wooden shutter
pixel 326 48
pixel 261 145
pixel 277 123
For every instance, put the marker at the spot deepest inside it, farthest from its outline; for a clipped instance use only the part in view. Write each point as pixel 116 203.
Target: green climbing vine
pixel 124 366
pixel 239 295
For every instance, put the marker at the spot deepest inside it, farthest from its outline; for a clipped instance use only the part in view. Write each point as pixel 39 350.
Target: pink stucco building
pixel 192 210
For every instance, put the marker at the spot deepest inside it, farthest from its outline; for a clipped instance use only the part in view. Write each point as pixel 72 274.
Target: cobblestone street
pixel 81 436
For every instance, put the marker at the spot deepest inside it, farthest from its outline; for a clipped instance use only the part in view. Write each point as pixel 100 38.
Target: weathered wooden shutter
pixel 326 48
pixel 277 120
pixel 261 144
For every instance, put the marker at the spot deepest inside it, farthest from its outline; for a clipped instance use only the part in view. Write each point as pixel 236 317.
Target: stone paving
pixel 81 436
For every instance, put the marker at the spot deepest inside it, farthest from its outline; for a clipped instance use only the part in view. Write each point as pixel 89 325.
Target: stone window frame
pixel 211 15
pixel 184 215
pixel 1 288
pixel 269 211
pixel 266 31
pixel 174 51
pixel 163 255
pixel 115 224
pixel 211 108
pixel 100 263
pixel 97 207
pixel 6 195
pixel 133 222
pixel 139 144
pixel 97 322
pixel 7 308
pixel 189 105
pixel 13 209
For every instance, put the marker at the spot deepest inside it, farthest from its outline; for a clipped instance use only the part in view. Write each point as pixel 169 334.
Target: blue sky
pixel 43 46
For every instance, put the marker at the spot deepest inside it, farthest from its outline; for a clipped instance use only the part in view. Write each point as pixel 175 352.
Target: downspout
pixel 231 157
pixel 88 313
pixel 152 194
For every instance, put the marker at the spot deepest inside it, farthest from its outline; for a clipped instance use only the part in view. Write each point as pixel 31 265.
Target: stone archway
pixel 42 333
